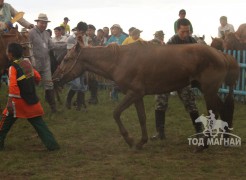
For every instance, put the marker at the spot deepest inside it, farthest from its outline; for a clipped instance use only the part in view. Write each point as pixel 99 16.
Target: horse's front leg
pixel 128 100
pixel 142 120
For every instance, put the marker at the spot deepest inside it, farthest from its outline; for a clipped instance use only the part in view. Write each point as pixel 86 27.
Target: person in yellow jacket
pixel 135 36
pixel 22 98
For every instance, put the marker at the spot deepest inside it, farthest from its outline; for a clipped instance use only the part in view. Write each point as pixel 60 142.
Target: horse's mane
pixel 147 44
pixel 115 48
pixel 230 35
pixel 232 42
pixel 217 43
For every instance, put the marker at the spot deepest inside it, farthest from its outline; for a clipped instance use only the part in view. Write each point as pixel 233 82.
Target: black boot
pixel 160 124
pixel 81 101
pixel 199 129
pixel 70 95
pixel 198 126
pixel 50 98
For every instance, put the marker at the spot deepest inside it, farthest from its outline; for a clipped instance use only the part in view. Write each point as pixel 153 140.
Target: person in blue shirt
pixel 117 35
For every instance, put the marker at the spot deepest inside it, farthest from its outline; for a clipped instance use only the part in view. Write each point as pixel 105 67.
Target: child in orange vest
pixel 22 99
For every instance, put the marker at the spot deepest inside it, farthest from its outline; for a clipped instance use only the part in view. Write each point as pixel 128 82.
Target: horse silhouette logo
pixel 212 127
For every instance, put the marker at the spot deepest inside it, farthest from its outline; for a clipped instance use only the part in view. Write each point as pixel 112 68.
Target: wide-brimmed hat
pixel 42 17
pixel 116 26
pixel 136 32
pixel 159 33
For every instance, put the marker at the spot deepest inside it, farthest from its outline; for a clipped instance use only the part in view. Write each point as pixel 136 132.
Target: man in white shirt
pixel 58 36
pixel 224 28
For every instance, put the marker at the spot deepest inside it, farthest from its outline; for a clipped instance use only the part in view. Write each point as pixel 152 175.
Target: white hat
pixel 116 25
pixel 42 17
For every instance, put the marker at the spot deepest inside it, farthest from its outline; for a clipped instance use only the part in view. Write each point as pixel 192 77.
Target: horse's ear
pixel 212 37
pixel 203 37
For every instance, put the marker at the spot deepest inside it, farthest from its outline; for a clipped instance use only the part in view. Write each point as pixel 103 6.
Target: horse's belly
pixel 166 86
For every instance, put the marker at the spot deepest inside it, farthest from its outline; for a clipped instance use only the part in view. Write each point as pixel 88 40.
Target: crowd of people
pixel 46 46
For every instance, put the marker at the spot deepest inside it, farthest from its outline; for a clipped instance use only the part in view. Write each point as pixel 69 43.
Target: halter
pixel 62 71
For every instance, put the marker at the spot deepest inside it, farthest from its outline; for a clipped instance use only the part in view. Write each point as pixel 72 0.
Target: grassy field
pixel 92 147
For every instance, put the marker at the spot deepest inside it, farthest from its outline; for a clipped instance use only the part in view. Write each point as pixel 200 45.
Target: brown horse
pixel 217 43
pixel 241 33
pixel 141 69
pixel 231 42
pixel 12 36
pixel 200 40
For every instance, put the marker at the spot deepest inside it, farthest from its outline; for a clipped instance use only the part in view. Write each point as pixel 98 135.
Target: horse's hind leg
pixel 142 120
pixel 128 100
pixel 214 103
pixel 228 108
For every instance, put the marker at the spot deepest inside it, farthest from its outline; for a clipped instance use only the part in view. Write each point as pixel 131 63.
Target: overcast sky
pixel 147 15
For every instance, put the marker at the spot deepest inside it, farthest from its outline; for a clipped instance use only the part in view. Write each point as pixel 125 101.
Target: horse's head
pixel 70 67
pixel 13 36
pixel 200 40
pixel 231 42
pixel 217 43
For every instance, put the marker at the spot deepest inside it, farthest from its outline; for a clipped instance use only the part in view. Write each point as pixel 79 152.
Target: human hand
pixel 9 25
pixel 31 26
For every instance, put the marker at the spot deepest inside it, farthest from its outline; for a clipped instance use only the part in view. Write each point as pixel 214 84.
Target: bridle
pixel 70 69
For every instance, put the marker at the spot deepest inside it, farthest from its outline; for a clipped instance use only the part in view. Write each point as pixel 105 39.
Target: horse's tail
pixel 233 71
pixel 230 80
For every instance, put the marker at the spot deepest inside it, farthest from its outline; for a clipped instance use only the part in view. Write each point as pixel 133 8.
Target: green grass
pixel 92 147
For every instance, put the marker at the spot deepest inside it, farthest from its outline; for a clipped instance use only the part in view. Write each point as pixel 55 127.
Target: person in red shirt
pixel 22 99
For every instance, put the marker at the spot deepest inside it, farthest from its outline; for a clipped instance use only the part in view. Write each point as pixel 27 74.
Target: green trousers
pixel 39 125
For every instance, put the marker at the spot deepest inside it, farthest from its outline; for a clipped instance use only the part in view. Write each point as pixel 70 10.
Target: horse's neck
pixel 101 60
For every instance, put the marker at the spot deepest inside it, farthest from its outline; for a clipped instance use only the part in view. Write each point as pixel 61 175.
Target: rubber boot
pixel 80 101
pixel 160 124
pixel 199 129
pixel 50 98
pixel 70 95
pixel 198 126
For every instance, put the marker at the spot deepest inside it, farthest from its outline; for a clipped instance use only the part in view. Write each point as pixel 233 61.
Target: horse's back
pixel 241 33
pixel 170 67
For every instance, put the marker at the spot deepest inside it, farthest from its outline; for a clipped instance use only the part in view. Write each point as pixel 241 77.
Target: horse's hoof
pixel 130 142
pixel 139 146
